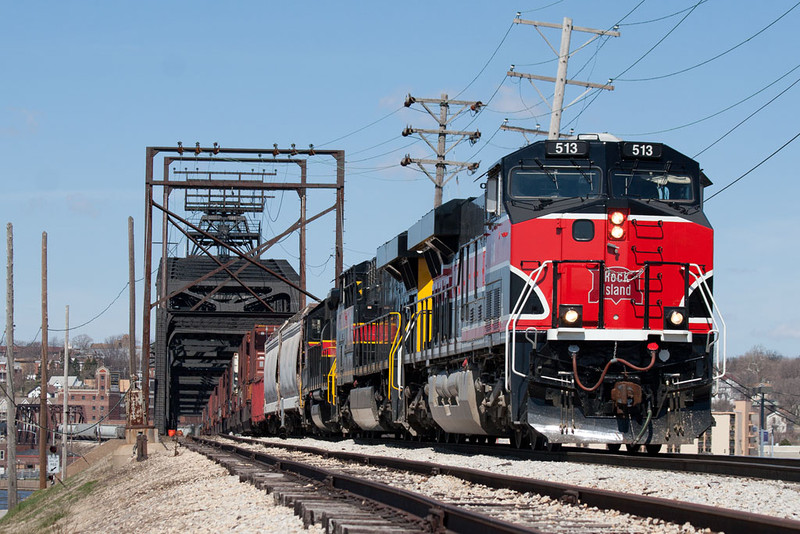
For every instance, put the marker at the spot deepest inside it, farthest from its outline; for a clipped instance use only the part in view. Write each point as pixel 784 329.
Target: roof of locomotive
pixel 538 149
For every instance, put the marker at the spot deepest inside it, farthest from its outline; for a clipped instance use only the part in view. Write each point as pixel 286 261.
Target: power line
pixel 755 167
pixel 362 128
pixel 660 18
pixel 603 42
pixel 731 49
pixel 414 142
pixel 598 91
pixel 543 7
pixel 617 77
pixel 393 138
pixel 720 112
pixel 96 316
pixel 503 40
pixel 748 117
pixel 745 392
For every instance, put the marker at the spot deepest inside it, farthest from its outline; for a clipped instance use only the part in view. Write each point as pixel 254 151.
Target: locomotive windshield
pixel 554 183
pixel 652 185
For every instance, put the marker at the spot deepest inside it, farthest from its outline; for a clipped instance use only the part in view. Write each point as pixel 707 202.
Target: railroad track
pixel 345 504
pixel 650 511
pixel 782 469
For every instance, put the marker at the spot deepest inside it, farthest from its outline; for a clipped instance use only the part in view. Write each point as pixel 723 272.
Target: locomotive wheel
pixel 613 447
pixel 520 438
pixel 541 443
pixel 653 449
pixel 632 448
pixel 549 446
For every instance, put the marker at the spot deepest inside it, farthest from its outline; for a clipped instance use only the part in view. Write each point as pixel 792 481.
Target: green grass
pixel 44 508
pixel 31 502
pixel 82 491
pixel 50 519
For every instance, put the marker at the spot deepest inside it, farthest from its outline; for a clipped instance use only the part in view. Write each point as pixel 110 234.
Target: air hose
pixel 644 426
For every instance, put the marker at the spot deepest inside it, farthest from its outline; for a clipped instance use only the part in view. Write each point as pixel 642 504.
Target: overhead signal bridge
pixel 207 299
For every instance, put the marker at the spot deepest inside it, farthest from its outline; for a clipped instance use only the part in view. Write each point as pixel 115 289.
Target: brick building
pixel 100 398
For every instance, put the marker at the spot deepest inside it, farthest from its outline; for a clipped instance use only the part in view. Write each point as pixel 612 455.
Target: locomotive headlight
pixel 570 316
pixel 616 221
pixel 675 319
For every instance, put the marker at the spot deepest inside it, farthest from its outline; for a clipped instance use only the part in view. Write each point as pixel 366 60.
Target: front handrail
pixel 392 351
pixel 399 350
pixel 720 329
pixel 516 312
pixel 332 384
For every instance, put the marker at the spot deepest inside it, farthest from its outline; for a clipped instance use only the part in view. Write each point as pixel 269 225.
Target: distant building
pixel 733 433
pixel 776 423
pixel 4 367
pixel 58 382
pixel 100 399
pixel 35 393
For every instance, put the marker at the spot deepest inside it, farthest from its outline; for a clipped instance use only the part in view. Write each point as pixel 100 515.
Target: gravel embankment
pixel 169 494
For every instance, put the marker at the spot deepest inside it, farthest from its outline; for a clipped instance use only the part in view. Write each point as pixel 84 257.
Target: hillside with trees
pixel 780 376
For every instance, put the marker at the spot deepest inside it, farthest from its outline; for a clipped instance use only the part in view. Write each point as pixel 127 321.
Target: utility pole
pixel 131 304
pixel 65 389
pixel 11 407
pixel 440 149
pixel 136 407
pixel 43 393
pixel 761 389
pixel 561 80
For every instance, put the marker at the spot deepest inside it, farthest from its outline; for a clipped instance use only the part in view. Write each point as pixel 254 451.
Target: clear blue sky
pixel 88 85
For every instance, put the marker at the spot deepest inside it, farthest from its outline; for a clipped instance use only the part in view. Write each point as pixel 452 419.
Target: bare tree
pixel 114 352
pixel 81 342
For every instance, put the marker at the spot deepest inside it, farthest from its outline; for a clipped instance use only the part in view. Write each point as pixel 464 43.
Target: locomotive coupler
pixel 626 395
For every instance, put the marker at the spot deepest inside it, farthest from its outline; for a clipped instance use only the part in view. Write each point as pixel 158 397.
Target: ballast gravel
pixel 171 493
pixel 766 497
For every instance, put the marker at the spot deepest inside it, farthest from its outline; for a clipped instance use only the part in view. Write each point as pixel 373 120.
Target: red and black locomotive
pixel 570 303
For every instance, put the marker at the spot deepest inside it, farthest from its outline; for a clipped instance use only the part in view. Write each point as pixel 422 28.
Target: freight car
pixel 570 303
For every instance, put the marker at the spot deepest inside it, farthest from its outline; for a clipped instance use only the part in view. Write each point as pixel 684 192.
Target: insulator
pixel 275 151
pixel 197 148
pixel 409 100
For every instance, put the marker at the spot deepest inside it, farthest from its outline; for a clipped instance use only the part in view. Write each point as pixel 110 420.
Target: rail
pixel 679 512
pixel 435 515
